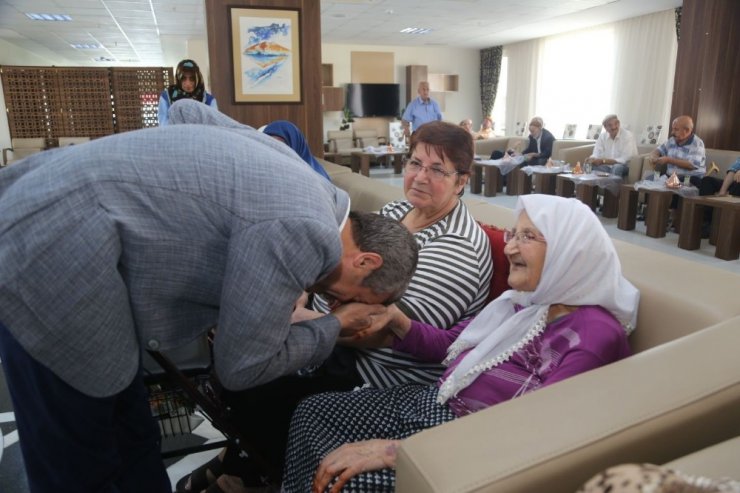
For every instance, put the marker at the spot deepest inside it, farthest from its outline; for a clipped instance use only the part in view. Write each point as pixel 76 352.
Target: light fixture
pixel 48 17
pixel 415 30
pixel 84 46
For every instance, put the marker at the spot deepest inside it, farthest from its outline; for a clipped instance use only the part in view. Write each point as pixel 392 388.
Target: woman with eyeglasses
pixel 451 283
pixel 560 319
pixel 453 275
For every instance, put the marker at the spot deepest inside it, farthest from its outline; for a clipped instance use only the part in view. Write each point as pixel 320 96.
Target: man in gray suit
pixel 145 240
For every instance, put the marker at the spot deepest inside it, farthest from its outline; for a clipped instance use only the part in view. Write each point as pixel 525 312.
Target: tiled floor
pixel 12 473
pixel 12 476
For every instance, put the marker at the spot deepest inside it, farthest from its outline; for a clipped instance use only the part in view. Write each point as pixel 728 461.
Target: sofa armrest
pixel 576 154
pixel 561 144
pixel 652 407
pixel 717 461
pixel 484 147
pixel 638 166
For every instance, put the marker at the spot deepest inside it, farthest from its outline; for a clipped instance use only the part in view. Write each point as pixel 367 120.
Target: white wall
pixel 465 103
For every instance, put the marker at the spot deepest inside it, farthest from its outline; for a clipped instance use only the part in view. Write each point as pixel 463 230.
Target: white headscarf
pixel 581 268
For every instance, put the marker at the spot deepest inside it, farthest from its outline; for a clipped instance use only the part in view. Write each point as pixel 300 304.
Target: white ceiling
pixel 141 32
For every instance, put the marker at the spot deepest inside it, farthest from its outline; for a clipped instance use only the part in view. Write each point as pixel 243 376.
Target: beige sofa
pixel 22 147
pixel 485 147
pixel 678 394
pixel 580 153
pixel 639 165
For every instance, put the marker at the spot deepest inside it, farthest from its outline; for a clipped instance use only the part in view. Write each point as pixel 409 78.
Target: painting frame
pixel 266 55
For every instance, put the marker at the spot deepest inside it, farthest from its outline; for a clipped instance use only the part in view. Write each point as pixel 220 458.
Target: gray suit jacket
pixel 147 239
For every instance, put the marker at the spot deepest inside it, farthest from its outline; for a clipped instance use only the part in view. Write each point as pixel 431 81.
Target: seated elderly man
pixel 683 153
pixel 613 148
pixel 539 149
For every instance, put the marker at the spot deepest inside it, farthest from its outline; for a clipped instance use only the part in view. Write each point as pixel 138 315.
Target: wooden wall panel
pixel 708 70
pixel 372 67
pixel 306 114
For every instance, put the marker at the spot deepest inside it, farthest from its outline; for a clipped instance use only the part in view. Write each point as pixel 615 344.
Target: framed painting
pixel 594 130
pixel 266 55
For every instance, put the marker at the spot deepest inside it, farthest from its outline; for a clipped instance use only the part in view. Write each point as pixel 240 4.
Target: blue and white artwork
pixel 267 43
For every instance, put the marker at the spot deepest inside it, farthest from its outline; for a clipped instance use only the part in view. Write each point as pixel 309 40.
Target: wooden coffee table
pixel 586 189
pixel 490 174
pixel 656 215
pixel 725 233
pixel 361 160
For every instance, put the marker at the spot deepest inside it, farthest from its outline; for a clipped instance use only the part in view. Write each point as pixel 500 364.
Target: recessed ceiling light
pixel 84 46
pixel 415 30
pixel 103 59
pixel 48 17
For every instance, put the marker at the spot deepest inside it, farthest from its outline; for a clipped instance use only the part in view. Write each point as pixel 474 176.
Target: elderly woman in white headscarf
pixel 556 321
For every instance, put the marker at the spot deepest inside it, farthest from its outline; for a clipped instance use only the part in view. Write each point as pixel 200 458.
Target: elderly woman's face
pixel 428 190
pixel 526 254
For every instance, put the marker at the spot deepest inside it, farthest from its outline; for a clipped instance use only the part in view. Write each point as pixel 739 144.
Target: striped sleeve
pixel 451 283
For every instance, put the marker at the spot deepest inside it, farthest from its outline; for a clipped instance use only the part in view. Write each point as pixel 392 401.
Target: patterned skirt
pixel 323 422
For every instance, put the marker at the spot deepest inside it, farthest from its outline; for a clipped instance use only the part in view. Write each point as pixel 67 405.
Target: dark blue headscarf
pixel 295 139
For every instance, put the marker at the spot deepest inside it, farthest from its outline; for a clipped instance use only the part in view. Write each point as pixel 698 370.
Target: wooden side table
pixel 588 193
pixel 725 225
pixel 493 181
pixel 545 183
pixel 656 215
pixel 476 177
pixel 564 187
pixel 519 183
pixel 361 161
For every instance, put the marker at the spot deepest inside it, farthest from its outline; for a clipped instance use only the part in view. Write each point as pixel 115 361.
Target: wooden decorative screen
pixel 136 96
pixel 52 102
pixel 82 100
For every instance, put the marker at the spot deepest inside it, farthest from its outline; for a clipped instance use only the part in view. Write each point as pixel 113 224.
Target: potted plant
pixel 347 118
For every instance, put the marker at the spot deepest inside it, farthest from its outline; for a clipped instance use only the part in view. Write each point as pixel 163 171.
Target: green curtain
pixel 490 69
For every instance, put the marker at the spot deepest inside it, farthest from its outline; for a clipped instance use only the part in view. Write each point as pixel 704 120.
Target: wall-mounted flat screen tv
pixel 366 100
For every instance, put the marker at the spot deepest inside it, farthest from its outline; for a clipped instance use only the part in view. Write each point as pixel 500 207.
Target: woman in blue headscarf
pixel 288 133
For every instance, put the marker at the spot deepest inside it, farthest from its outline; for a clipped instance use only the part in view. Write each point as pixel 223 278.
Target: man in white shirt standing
pixel 614 148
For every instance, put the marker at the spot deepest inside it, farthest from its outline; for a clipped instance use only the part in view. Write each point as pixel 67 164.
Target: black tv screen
pixel 373 99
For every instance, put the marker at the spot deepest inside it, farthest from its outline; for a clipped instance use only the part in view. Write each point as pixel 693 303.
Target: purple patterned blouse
pixel 582 340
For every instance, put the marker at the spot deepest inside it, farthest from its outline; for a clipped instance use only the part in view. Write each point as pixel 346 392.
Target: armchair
pixel 68 141
pixel 23 147
pixel 341 146
pixel 369 138
pixel 580 153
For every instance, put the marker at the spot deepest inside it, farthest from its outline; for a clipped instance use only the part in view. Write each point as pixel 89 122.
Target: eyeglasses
pixel 414 167
pixel 522 237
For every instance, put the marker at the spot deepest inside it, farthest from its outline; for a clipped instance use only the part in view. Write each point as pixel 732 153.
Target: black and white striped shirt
pixel 451 283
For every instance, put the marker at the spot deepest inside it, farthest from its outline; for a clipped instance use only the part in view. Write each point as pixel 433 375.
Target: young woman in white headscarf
pixel 570 310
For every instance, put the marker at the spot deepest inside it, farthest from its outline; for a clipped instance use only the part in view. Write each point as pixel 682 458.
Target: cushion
pixel 500 277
